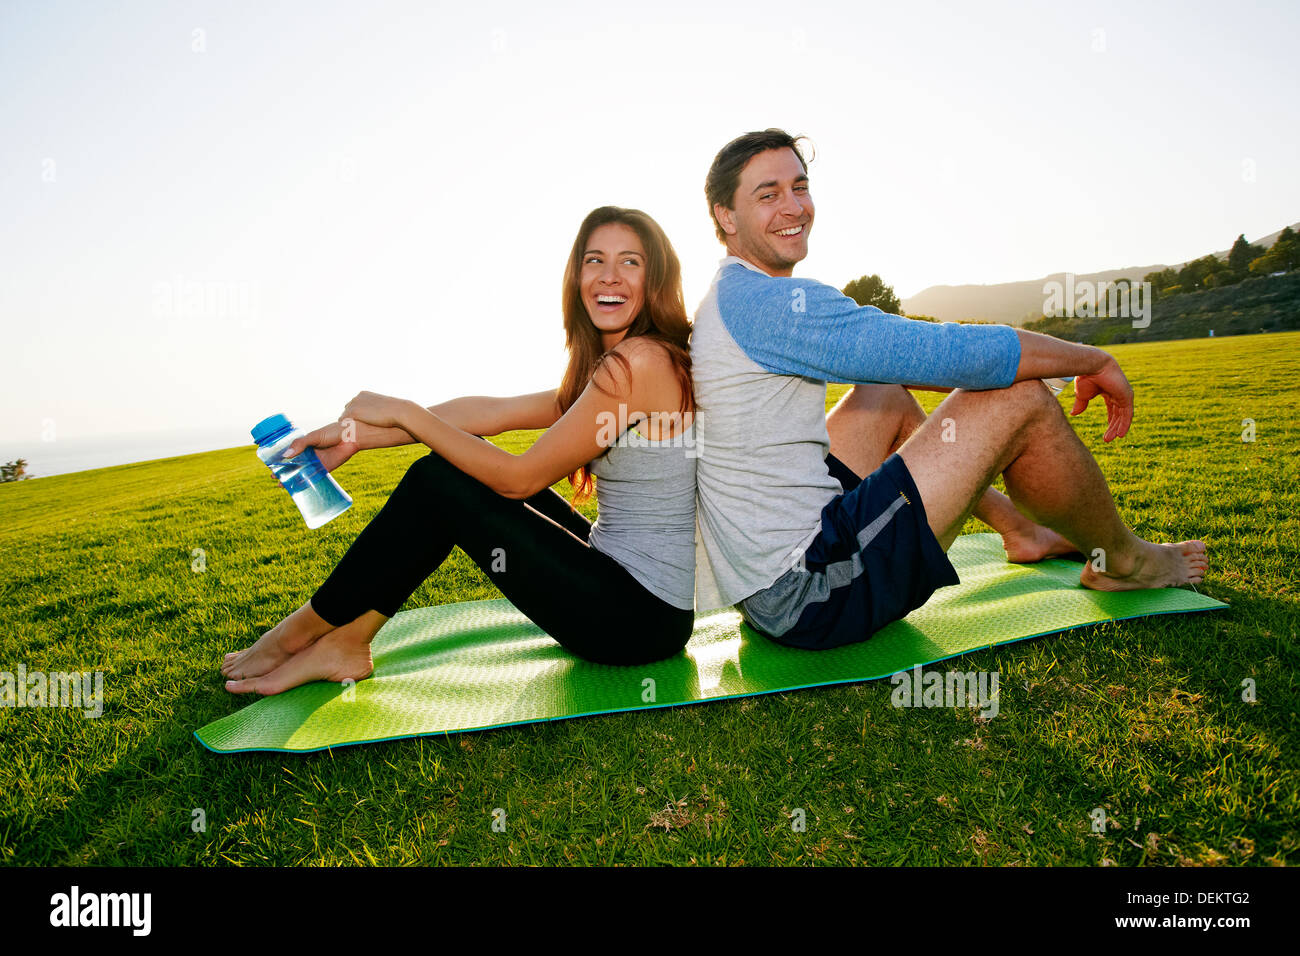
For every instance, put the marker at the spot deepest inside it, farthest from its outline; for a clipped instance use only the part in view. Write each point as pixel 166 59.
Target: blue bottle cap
pixel 269 426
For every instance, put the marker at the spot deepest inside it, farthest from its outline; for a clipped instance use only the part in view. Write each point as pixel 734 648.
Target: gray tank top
pixel 645 502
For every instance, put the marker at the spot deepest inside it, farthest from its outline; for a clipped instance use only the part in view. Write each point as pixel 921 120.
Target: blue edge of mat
pixel 705 700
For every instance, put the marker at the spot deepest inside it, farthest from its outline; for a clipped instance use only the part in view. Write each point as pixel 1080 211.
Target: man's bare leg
pixel 1021 433
pixel 871 422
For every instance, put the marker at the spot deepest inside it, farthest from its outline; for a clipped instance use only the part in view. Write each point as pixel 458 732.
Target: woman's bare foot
pixel 1034 542
pixel 295 633
pixel 1155 566
pixel 342 654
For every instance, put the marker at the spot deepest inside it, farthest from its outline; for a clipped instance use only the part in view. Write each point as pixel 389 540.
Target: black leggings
pixel 535 551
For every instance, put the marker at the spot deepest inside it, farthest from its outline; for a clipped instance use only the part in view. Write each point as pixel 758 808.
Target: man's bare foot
pixel 1156 566
pixel 1033 543
pixel 342 654
pixel 295 633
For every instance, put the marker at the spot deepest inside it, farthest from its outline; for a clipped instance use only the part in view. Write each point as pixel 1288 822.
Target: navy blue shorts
pixel 875 560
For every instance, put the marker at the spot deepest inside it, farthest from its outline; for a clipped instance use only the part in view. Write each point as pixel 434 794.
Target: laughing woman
pixel 620 591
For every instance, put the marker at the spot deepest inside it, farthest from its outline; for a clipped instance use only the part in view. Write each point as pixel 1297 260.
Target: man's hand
pixel 1111 384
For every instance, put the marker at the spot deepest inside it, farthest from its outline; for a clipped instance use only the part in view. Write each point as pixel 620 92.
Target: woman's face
pixel 613 280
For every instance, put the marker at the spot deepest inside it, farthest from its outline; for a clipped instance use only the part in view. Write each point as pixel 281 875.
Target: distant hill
pixel 1257 304
pixel 1015 303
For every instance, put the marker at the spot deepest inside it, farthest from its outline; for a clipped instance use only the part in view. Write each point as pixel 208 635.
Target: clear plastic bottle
pixel 1057 385
pixel 312 488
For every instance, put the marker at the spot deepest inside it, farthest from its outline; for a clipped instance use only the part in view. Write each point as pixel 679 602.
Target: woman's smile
pixel 613 280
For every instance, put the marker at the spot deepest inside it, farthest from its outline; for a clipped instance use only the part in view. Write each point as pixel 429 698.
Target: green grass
pixel 1144 719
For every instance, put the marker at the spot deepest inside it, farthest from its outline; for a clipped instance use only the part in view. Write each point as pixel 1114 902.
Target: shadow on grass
pixel 140 810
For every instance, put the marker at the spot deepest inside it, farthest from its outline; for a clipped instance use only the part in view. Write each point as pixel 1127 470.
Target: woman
pixel 620 591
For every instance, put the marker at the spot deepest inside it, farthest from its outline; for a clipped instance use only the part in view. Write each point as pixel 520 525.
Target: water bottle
pixel 1058 384
pixel 312 488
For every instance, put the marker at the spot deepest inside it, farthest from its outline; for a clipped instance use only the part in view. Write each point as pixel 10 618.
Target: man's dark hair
pixel 724 175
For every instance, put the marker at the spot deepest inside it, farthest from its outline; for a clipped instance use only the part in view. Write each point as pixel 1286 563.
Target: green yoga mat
pixel 483 664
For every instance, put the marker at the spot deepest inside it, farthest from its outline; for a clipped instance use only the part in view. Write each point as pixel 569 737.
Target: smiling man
pixel 824 528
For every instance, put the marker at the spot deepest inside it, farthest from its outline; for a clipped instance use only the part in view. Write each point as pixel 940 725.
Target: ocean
pixel 66 455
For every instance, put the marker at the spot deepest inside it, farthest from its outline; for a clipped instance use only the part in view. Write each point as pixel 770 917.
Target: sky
pixel 213 212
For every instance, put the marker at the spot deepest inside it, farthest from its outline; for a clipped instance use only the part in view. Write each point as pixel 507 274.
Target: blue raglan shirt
pixel 801 327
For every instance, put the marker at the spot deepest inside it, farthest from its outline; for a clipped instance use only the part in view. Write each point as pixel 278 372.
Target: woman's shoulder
pixel 650 368
pixel 634 357
pixel 645 350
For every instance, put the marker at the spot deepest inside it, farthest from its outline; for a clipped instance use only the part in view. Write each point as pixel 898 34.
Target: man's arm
pixel 1042 356
pixel 1096 373
pixel 799 327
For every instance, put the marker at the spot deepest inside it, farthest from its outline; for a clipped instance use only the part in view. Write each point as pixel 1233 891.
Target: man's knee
pixel 886 400
pixel 1027 399
pixel 1036 397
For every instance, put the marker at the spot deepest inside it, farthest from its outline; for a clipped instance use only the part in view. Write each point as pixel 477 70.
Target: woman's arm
pixel 580 435
pixel 484 415
pixel 478 415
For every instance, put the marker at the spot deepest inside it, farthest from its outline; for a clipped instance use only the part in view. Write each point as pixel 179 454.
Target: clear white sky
pixel 382 195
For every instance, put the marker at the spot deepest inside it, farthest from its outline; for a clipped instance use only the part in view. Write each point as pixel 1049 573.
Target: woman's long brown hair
pixel 662 318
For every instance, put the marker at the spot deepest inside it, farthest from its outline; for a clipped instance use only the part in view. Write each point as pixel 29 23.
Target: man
pixel 819 549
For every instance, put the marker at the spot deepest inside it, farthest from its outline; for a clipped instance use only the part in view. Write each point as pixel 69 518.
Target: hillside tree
pixel 1284 256
pixel 1242 255
pixel 871 290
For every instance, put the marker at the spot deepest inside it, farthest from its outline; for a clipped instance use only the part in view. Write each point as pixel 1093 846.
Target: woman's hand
pixel 338 441
pixel 383 411
pixel 329 443
pixel 1113 386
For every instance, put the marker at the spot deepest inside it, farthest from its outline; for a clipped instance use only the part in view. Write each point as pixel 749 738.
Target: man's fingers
pixel 1118 421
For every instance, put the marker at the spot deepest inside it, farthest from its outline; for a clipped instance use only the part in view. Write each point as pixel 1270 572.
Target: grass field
pixel 1144 719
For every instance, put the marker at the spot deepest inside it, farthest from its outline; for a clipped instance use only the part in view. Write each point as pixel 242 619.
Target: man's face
pixel 774 213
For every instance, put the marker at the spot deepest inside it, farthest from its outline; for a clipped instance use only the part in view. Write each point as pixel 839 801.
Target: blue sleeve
pixel 801 327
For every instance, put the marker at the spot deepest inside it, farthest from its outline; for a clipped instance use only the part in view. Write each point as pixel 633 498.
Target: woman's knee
pixel 435 472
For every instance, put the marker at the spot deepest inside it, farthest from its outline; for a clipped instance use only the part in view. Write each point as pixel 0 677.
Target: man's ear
pixel 726 218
